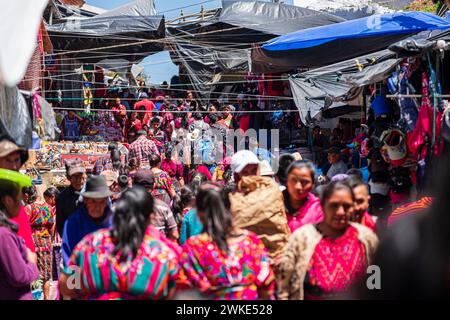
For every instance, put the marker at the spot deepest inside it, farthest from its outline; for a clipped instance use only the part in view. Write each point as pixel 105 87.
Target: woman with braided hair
pixel 225 262
pixel 130 260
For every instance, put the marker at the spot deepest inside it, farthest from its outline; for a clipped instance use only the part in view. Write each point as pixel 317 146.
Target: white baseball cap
pixel 265 169
pixel 241 159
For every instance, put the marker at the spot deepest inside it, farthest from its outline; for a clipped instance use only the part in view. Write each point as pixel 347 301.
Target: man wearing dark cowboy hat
pixel 12 157
pixel 93 214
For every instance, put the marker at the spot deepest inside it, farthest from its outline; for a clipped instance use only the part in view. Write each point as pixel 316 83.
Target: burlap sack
pixel 258 206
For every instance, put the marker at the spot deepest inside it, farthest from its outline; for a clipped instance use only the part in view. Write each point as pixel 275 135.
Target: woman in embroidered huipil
pixel 225 262
pixel 130 260
pixel 323 261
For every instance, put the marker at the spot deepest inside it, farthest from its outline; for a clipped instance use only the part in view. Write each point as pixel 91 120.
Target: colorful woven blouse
pixel 150 275
pixel 163 187
pixel 335 265
pixel 240 274
pixel 42 223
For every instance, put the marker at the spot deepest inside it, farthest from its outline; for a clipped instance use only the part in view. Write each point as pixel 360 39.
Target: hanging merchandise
pixel 381 107
pixel 87 95
pixel 395 142
pixel 37 119
pixel 446 125
pixel 423 133
pixel 409 107
pixel 48 121
pixel 420 140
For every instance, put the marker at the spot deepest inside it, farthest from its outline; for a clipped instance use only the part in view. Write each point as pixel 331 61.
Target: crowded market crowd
pixel 183 211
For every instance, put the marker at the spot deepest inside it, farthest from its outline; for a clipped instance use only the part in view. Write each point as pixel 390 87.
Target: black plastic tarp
pixel 316 57
pixel 222 42
pixel 247 22
pixel 333 86
pixel 272 18
pixel 420 43
pixel 129 32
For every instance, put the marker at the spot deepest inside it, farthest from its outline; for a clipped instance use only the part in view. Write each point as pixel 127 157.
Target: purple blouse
pixel 16 273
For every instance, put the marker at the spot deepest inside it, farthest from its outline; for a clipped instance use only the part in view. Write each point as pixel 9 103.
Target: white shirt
pixel 337 168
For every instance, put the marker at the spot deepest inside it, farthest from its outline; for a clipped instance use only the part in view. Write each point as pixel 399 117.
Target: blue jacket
pixel 79 225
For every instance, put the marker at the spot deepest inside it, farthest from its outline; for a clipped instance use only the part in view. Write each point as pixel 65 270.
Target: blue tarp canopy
pixel 376 25
pixel 323 45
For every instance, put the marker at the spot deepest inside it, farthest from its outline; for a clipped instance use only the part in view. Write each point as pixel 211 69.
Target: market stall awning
pixel 221 41
pixel 247 22
pixel 335 85
pixel 131 32
pixel 324 45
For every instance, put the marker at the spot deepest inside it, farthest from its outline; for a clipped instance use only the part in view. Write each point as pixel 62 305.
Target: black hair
pixel 355 172
pixel 50 192
pixel 155 120
pixel 300 164
pixel 130 220
pixel 198 116
pixel 154 160
pixel 331 188
pixel 193 104
pixel 112 146
pixel 122 181
pixel 212 118
pixel 227 190
pixel 185 197
pixel 354 182
pixel 31 192
pixel 218 222
pixel 228 175
pixel 133 162
pixel 283 163
pixel 168 147
pixel 141 133
pixel 115 159
pixel 197 179
pixel 11 189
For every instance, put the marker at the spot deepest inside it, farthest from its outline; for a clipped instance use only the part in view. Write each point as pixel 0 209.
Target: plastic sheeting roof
pixel 132 23
pixel 247 22
pixel 376 25
pixel 272 18
pixel 331 86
